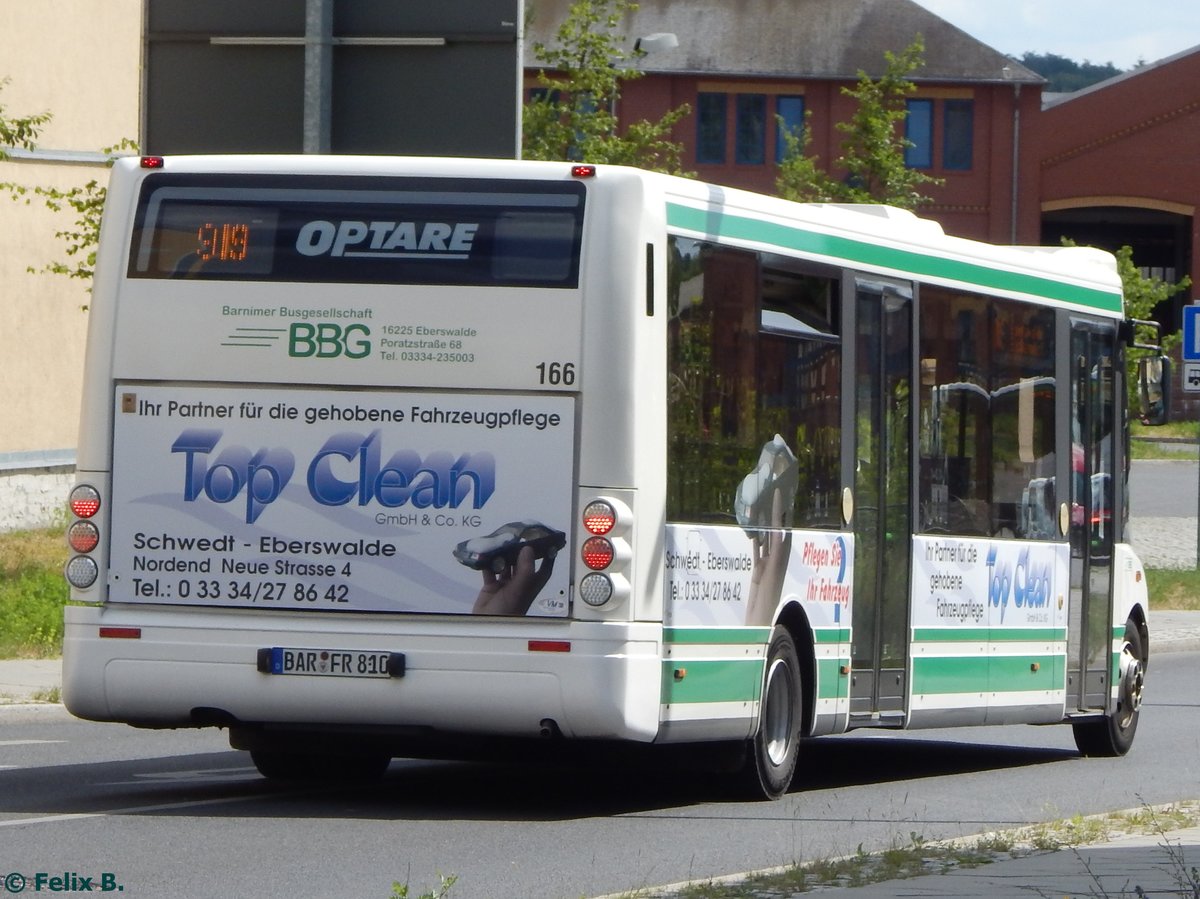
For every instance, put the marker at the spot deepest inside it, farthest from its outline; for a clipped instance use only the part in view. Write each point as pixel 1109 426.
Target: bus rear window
pixel 358 230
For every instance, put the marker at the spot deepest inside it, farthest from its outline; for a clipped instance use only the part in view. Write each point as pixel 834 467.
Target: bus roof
pixel 877 239
pixel 895 242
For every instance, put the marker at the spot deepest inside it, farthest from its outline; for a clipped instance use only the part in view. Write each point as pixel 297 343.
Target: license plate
pixel 331 662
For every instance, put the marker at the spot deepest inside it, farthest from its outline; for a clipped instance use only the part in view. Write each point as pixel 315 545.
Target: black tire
pixel 319 766
pixel 774 750
pixel 1113 734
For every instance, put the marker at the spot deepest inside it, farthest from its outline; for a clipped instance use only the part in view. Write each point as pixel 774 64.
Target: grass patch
pixel 1189 430
pixel 1174 588
pixel 32 593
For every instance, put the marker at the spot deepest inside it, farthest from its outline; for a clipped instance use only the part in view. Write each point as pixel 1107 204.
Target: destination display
pixel 359 230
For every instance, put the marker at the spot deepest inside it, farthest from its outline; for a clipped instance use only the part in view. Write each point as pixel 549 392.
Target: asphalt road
pixel 178 814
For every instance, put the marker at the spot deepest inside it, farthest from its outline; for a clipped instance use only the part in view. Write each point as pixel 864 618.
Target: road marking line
pixel 131 810
pixel 28 742
pixel 197 775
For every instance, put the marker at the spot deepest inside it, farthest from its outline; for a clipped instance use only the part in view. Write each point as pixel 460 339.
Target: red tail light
pixel 597 553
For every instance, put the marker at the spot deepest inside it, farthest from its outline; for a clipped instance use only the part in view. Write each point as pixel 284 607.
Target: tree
pixel 1142 295
pixel 873 148
pixel 1065 75
pixel 573 114
pixel 20 132
pixel 87 202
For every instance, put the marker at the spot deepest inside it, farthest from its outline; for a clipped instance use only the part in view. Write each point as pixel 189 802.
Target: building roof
pixel 1049 100
pixel 794 39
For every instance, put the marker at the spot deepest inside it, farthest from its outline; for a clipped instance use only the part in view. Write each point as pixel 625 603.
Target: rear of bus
pixel 356 457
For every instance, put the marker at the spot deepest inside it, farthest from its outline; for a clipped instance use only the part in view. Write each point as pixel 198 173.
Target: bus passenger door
pixel 882 404
pixel 1093 481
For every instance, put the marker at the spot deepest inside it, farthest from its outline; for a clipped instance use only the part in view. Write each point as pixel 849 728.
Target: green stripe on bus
pixel 712 680
pixel 831 635
pixel 739 635
pixel 989 634
pixel 984 674
pixel 831 683
pixel 793 238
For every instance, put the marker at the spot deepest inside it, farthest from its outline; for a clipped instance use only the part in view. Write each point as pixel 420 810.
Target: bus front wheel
pixel 1113 734
pixel 772 753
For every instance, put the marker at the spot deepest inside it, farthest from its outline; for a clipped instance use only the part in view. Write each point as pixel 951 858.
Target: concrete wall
pixel 33 492
pixel 79 60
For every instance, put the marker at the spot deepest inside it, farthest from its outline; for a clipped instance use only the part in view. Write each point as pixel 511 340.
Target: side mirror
pixel 1154 389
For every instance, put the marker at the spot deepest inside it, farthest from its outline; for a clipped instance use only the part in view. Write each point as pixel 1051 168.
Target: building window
pixel 918 129
pixel 789 119
pixel 958 144
pixel 751 129
pixel 710 129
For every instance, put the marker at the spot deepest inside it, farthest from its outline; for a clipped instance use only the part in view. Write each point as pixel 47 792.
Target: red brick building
pixel 1119 164
pixel 1116 164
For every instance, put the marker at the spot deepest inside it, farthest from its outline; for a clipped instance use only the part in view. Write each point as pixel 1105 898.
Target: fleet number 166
pixel 556 373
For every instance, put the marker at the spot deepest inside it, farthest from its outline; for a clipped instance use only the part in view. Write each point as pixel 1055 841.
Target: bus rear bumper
pixel 158 667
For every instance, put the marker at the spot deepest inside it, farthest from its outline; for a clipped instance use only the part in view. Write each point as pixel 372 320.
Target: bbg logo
pixel 327 340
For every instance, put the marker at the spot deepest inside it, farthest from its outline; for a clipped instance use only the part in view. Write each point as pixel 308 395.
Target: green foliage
pixel 400 890
pixel 800 177
pixel 87 203
pixel 21 131
pixel 873 148
pixel 1143 293
pixel 1065 75
pixel 574 116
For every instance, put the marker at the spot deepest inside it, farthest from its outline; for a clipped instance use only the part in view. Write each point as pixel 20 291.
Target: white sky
pixel 1099 31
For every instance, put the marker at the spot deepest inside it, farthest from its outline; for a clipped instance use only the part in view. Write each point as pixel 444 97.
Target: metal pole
pixel 318 75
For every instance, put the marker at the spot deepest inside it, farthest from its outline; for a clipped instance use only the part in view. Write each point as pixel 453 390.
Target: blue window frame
pixel 918 129
pixel 751 129
pixel 710 128
pixel 789 118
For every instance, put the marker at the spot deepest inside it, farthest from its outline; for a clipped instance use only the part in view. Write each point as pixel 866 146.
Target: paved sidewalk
pixel 21 680
pixel 1155 864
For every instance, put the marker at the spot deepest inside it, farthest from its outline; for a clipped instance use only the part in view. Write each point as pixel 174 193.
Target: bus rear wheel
pixel 772 753
pixel 1113 734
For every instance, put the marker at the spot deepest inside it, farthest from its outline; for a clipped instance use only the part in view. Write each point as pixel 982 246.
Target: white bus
pixel 393 457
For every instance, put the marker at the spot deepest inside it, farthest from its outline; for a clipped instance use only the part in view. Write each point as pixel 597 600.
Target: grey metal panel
pixel 208 17
pixel 204 99
pixel 409 18
pixel 460 98
pixel 452 101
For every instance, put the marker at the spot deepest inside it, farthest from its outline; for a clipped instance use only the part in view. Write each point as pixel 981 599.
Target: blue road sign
pixel 1191 333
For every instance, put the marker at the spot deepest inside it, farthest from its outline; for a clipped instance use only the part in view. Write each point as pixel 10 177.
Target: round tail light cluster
pixel 603 552
pixel 83 536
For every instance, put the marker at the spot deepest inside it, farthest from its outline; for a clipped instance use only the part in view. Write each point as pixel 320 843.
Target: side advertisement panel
pixel 996 584
pixel 730 576
pixel 725 587
pixel 342 501
pixel 989 624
